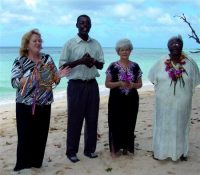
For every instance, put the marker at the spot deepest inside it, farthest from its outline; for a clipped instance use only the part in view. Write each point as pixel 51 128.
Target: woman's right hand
pixel 124 84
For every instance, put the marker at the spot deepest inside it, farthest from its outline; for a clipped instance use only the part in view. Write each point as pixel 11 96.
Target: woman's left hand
pixel 64 72
pixel 130 85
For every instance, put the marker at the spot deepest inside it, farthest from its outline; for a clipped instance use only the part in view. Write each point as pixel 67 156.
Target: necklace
pixel 44 78
pixel 175 72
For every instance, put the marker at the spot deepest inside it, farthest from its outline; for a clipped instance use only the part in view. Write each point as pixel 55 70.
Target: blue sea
pixel 145 57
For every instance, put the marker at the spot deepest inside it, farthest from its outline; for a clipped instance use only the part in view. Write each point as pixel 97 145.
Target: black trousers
pixel 83 103
pixel 32 133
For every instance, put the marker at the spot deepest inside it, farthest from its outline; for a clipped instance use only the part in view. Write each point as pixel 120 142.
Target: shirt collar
pixel 79 39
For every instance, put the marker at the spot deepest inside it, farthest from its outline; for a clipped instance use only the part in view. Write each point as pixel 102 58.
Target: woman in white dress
pixel 174 78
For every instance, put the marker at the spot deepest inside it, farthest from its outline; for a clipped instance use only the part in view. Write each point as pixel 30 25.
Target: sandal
pixel 183 158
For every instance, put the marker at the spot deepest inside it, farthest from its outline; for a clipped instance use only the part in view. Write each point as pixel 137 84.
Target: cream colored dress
pixel 172 112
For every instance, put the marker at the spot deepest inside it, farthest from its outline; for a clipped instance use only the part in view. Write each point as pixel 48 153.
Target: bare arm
pixel 122 84
pixel 110 84
pixel 136 85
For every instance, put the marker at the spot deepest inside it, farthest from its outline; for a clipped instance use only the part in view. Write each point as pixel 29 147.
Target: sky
pixel 147 23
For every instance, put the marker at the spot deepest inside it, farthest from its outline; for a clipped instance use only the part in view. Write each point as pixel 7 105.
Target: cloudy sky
pixel 148 23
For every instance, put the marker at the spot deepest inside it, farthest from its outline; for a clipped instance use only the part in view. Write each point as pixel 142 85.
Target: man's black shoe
pixel 91 155
pixel 73 159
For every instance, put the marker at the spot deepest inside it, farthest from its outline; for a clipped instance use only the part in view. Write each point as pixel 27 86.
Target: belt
pixel 82 81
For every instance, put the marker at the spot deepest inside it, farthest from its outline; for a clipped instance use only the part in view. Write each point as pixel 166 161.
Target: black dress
pixel 122 107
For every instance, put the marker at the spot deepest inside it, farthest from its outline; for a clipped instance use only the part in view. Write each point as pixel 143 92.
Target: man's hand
pixel 87 60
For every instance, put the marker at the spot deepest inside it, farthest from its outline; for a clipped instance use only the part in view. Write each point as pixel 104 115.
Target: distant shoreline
pixel 46 47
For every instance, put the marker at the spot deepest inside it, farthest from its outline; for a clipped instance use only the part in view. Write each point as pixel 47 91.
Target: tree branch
pixel 193 35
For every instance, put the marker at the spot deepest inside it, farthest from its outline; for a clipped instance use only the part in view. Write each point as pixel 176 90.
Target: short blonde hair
pixel 23 51
pixel 123 43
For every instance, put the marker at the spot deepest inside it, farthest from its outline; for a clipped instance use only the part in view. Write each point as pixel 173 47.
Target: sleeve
pixel 16 73
pixel 108 71
pixel 196 74
pixel 152 75
pixel 55 71
pixel 64 55
pixel 100 53
pixel 55 68
pixel 139 72
pixel 48 74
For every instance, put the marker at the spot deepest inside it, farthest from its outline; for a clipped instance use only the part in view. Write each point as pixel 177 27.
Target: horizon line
pixel 102 47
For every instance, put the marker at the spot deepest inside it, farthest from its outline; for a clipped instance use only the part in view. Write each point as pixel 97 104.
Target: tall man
pixel 84 55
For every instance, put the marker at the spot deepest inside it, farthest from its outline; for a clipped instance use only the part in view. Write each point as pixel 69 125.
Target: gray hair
pixel 179 38
pixel 123 43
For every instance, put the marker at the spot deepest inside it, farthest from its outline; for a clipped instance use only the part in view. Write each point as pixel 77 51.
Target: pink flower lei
pixel 175 72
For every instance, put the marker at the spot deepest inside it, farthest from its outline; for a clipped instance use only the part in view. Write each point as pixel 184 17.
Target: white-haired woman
pixel 123 77
pixel 174 77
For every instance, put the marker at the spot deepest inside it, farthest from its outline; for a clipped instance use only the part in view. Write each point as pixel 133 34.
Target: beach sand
pixel 141 163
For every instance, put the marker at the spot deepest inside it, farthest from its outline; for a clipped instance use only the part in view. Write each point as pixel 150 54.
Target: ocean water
pixel 145 57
